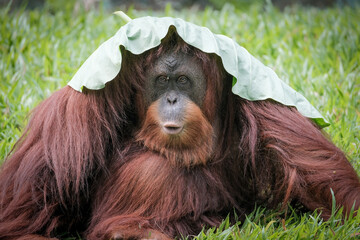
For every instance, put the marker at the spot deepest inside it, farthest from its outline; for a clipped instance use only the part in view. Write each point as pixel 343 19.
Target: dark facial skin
pixel 175 79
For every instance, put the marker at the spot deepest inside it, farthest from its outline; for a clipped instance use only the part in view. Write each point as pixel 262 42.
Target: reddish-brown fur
pixel 182 149
pixel 95 163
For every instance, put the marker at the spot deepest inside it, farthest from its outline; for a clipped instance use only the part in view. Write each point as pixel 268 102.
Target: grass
pixel 317 51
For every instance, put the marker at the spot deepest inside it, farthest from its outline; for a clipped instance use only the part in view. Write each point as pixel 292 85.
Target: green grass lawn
pixel 316 51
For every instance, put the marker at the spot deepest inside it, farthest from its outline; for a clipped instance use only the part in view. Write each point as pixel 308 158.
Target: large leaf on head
pixel 253 80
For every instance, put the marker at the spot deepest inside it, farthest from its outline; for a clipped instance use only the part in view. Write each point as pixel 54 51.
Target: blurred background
pixel 161 4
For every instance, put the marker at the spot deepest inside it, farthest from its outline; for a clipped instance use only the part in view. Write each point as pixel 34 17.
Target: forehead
pixel 172 61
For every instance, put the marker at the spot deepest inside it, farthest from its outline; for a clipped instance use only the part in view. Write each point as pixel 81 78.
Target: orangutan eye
pixel 162 80
pixel 182 80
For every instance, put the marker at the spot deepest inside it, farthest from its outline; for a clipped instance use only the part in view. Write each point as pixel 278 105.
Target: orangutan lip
pixel 172 128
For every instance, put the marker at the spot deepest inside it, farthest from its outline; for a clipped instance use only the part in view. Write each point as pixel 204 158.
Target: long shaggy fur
pixel 86 162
